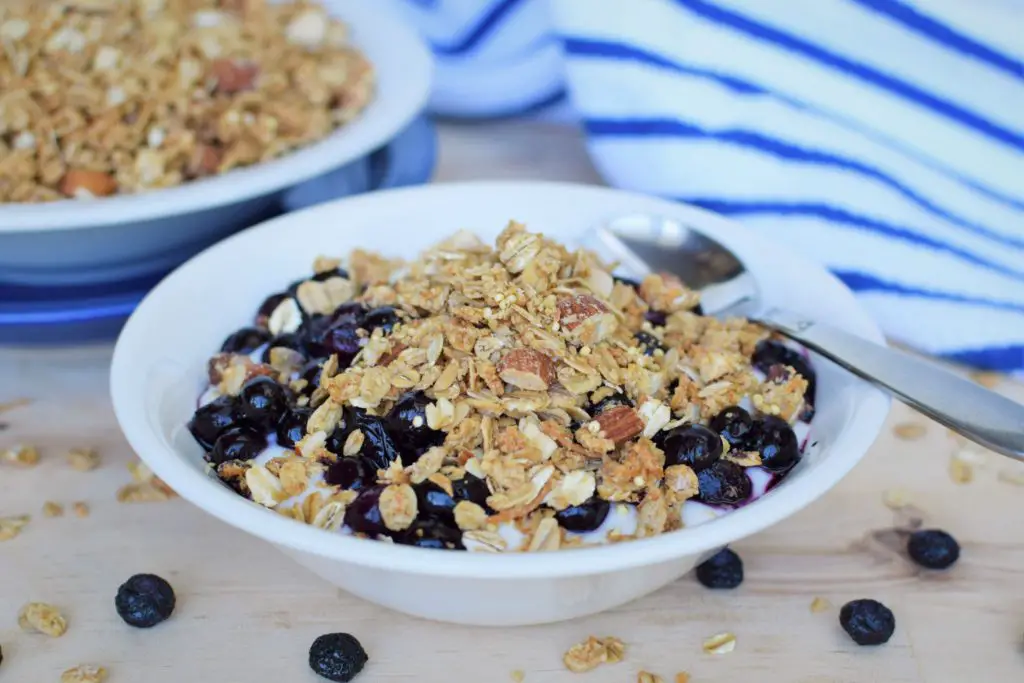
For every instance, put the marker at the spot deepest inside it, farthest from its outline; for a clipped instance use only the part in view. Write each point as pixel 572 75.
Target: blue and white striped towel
pixel 884 138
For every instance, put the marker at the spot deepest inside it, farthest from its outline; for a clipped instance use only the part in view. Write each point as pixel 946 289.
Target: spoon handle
pixel 983 416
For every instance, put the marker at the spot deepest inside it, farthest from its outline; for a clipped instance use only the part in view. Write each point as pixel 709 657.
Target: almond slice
pixel 527 369
pixel 585 318
pixel 620 423
pixel 79 182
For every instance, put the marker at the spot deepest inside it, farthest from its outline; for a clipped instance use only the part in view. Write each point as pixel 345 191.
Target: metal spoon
pixel 644 243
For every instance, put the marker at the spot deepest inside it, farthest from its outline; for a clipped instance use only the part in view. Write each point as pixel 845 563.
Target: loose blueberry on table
pixel 144 600
pixel 723 570
pixel 867 621
pixel 933 549
pixel 337 657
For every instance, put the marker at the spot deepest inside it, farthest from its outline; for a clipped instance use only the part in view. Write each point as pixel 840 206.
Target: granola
pixel 514 397
pixel 120 96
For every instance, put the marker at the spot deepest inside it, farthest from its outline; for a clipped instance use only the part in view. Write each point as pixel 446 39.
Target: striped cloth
pixel 884 138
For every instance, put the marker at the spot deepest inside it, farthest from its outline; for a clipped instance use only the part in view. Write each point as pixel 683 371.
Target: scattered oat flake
pixel 909 431
pixel 518 676
pixel 720 644
pixel 52 509
pixel 23 456
pixel 648 677
pixel 84 673
pixel 1012 476
pixel 960 471
pixel 895 499
pixel 593 652
pixel 80 509
pixel 989 380
pixel 16 403
pixel 820 605
pixel 83 459
pixel 42 618
pixel 682 677
pixel 144 493
pixel 12 526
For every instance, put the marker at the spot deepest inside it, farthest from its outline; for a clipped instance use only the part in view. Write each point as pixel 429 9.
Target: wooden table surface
pixel 247 614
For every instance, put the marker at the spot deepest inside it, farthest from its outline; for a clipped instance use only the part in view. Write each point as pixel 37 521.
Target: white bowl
pixel 159 370
pixel 121 236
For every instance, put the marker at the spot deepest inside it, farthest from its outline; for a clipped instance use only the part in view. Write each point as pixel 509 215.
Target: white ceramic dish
pixel 124 236
pixel 159 370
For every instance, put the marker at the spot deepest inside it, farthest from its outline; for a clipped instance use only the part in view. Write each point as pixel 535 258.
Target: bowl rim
pixel 403 67
pixel 868 416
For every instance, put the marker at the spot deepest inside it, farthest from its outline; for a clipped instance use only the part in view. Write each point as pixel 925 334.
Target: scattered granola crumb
pixel 518 676
pixel 1012 476
pixel 989 380
pixel 648 677
pixel 960 471
pixel 83 459
pixel 43 618
pixel 16 403
pixel 146 487
pixel 23 456
pixel 84 673
pixel 909 431
pixel 52 509
pixel 896 499
pixel 682 677
pixel 720 644
pixel 12 526
pixel 819 605
pixel 80 509
pixel 593 652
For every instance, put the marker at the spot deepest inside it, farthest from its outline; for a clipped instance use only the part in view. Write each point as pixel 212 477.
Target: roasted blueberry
pixel 288 341
pixel 384 318
pixel 267 308
pixel 933 548
pixel 473 489
pixel 292 426
pixel 351 473
pixel 690 444
pixel 723 483
pixel 656 318
pixel 311 372
pixel 337 657
pixel 262 402
pixel 340 338
pixel 775 440
pixel 584 517
pixel 378 448
pixel 144 600
pixel 245 340
pixel 610 401
pixel 213 419
pixel 407 425
pixel 734 424
pixel 328 274
pixel 648 343
pixel 237 443
pixel 434 501
pixel 723 570
pixel 363 514
pixel 867 621
pixel 431 533
pixel 769 353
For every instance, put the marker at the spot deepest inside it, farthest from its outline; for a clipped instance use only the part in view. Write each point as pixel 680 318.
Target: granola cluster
pixel 480 389
pixel 99 97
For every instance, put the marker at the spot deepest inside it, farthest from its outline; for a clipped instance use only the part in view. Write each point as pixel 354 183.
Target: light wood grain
pixel 246 614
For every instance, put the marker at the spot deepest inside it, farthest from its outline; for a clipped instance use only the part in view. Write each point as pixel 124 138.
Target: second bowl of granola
pixel 133 135
pixel 499 415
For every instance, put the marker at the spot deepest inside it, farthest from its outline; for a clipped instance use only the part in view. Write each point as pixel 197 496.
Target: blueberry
pixel 407 425
pixel 775 440
pixel 724 570
pixel 697 310
pixel 378 448
pixel 611 401
pixel 262 402
pixel 267 308
pixel 363 514
pixel 212 420
pixel 328 274
pixel 723 483
pixel 245 340
pixel 690 444
pixel 340 338
pixel 287 341
pixel 656 318
pixel 473 489
pixel 626 281
pixel 933 548
pixel 291 428
pixel 431 533
pixel 867 621
pixel 337 657
pixel 144 600
pixel 648 343
pixel 733 423
pixel 351 473
pixel 769 353
pixel 384 318
pixel 311 372
pixel 584 517
pixel 237 443
pixel 434 501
